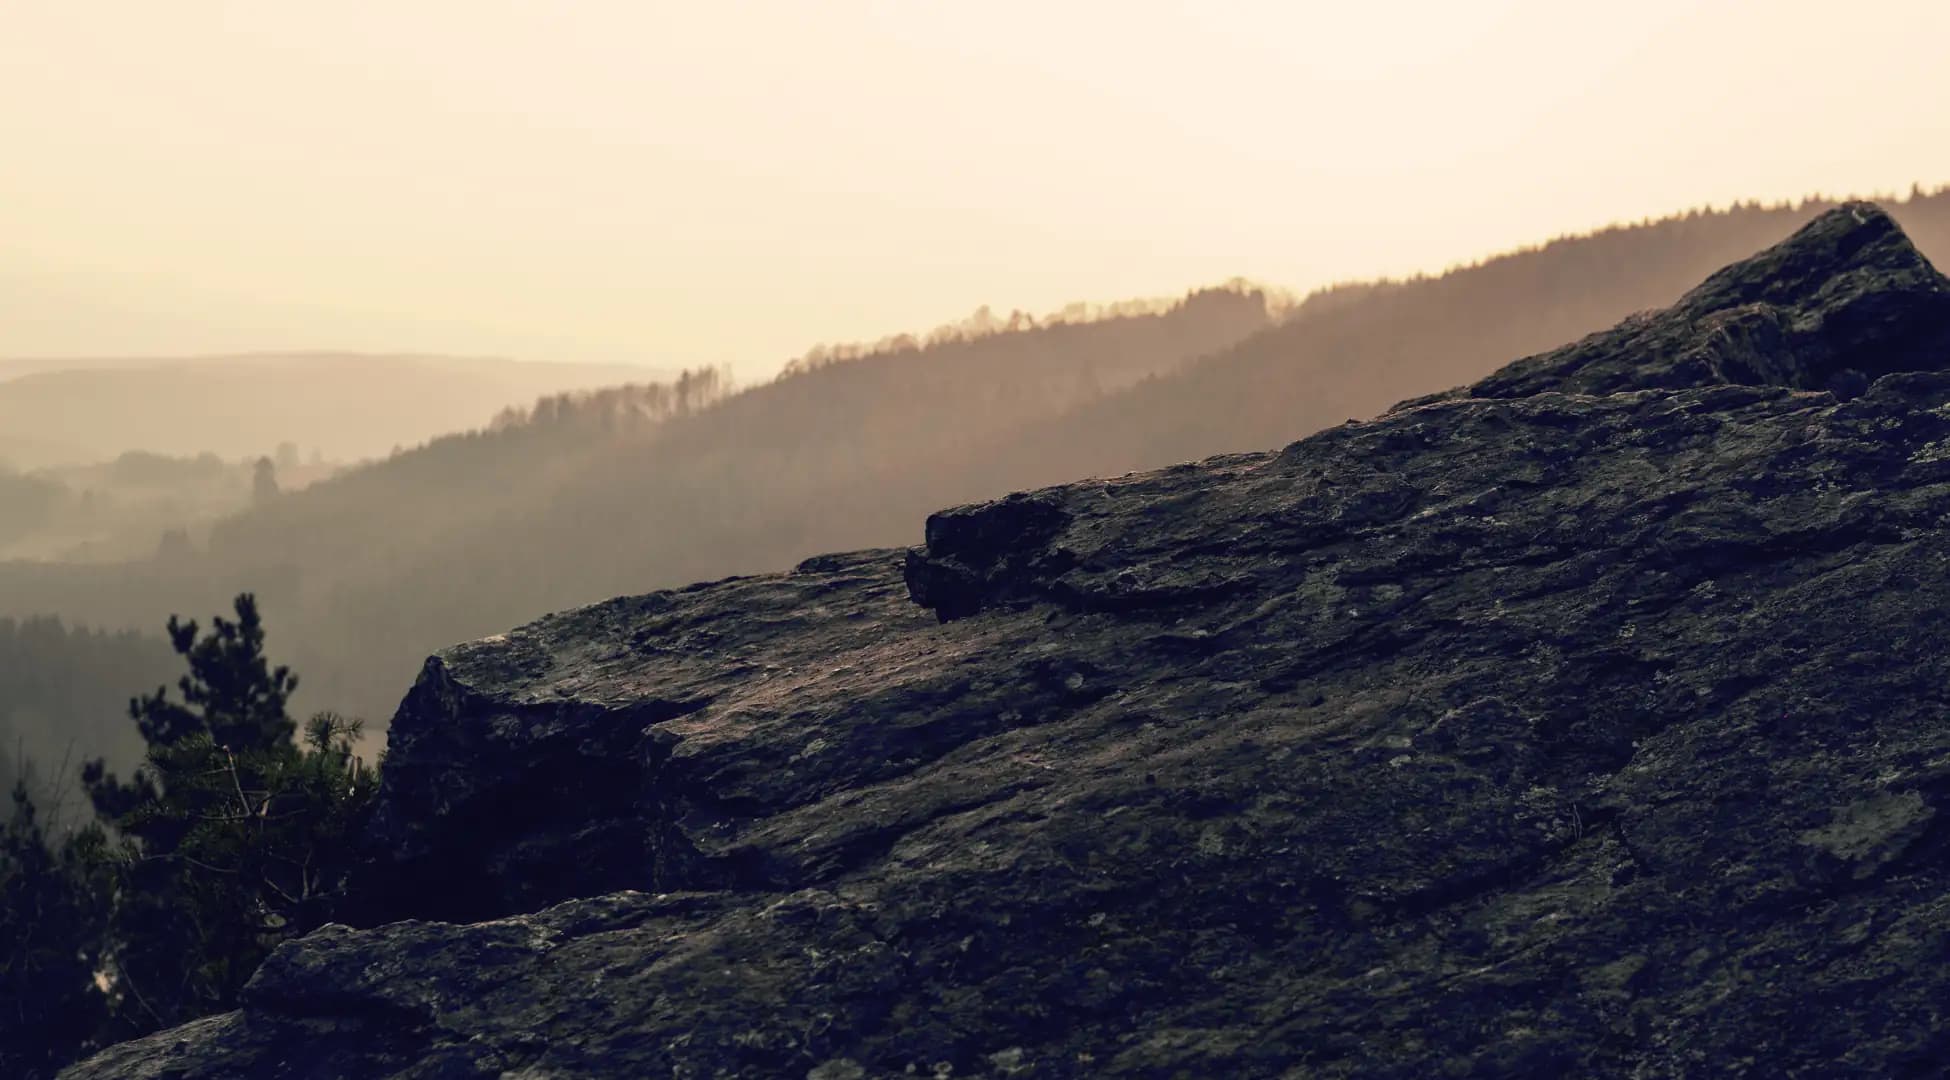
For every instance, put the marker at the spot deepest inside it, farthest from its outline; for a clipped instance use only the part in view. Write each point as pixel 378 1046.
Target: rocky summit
pixel 1590 721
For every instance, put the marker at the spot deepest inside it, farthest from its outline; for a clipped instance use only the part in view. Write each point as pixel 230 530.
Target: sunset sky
pixel 731 182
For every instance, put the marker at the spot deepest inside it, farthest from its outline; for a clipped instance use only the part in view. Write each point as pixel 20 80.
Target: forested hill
pixel 64 696
pixel 593 494
pixel 1349 359
pixel 362 576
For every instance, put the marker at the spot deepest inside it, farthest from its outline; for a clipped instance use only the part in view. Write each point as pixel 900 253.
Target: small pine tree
pixel 231 837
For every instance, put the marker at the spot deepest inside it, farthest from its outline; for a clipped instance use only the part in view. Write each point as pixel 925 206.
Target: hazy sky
pixel 730 182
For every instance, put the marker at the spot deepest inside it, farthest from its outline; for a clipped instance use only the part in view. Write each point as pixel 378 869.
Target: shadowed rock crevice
pixel 1585 722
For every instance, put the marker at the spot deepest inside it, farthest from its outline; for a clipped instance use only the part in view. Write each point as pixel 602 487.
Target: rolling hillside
pixel 1341 360
pixel 364 574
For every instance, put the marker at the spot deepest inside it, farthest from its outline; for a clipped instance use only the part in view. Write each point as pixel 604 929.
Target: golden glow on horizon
pixel 732 182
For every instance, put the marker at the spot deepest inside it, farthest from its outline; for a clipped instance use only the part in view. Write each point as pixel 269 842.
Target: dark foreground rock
pixel 1588 723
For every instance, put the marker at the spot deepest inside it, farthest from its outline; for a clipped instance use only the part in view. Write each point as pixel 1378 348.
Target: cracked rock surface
pixel 1590 721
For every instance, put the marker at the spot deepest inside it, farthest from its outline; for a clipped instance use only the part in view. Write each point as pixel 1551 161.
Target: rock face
pixel 1590 721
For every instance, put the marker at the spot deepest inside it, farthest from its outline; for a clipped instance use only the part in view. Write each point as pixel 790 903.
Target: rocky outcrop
pixel 1847 301
pixel 1589 722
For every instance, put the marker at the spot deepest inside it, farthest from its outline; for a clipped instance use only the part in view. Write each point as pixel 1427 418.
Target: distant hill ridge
pixel 349 406
pixel 470 534
pixel 1337 358
pixel 11 366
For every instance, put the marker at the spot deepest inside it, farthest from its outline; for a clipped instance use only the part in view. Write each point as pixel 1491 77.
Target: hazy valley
pixel 365 568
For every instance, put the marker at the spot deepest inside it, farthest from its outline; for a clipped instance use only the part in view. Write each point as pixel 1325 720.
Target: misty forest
pixel 365 566
pixel 218 578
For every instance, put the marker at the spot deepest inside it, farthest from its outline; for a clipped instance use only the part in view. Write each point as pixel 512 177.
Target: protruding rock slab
pixel 1559 734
